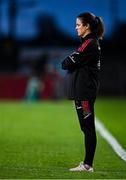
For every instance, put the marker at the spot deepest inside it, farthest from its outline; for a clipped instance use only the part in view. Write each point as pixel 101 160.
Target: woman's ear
pixel 87 26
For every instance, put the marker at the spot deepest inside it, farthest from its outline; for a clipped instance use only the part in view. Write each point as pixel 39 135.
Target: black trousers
pixel 85 112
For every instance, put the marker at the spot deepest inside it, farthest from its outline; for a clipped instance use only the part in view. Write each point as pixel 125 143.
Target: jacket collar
pixel 88 37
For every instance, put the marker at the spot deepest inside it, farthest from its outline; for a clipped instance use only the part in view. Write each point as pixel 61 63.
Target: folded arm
pixel 78 58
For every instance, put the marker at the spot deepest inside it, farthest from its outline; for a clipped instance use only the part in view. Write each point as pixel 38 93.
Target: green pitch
pixel 43 140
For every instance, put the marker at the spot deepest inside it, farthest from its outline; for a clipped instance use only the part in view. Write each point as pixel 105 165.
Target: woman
pixel 83 67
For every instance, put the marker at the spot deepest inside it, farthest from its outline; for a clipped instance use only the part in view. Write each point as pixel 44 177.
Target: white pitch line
pixel 111 140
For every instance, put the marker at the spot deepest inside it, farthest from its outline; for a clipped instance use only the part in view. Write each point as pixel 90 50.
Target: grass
pixel 112 113
pixel 43 140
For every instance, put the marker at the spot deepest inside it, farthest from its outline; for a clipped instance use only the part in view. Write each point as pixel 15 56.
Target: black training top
pixel 83 67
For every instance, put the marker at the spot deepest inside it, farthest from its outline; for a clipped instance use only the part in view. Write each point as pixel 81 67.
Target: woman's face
pixel 80 28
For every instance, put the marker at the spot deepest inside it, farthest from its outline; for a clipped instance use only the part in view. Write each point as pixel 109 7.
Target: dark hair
pixel 95 23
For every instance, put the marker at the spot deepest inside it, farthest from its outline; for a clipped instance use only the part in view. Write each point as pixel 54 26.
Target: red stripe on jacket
pixel 84 45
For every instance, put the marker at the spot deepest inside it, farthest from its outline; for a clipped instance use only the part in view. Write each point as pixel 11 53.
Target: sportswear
pixel 83 68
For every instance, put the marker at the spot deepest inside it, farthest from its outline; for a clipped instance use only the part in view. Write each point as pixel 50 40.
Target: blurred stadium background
pixel 35 36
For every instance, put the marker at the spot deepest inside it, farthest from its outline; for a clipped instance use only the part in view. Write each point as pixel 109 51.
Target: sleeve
pixel 82 56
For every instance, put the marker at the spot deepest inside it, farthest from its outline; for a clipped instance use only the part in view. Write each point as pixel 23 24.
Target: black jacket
pixel 83 67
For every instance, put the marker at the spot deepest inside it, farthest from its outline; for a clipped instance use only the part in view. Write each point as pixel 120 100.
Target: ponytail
pixel 99 29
